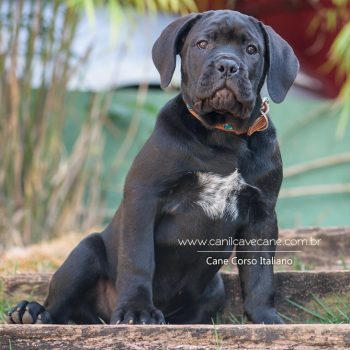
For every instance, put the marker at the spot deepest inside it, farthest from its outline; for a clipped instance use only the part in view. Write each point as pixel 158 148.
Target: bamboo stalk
pixel 316 164
pixel 315 190
pixel 14 120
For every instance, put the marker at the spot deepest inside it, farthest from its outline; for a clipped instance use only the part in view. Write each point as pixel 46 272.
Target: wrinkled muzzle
pixel 224 87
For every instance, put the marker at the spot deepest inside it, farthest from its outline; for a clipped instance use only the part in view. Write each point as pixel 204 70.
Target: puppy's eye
pixel 251 49
pixel 203 44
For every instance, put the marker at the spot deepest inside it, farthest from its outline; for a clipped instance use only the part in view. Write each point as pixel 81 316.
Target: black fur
pixel 135 271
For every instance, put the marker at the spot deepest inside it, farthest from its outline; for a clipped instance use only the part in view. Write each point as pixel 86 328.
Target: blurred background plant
pixel 340 57
pixel 48 187
pixel 335 19
pixel 44 189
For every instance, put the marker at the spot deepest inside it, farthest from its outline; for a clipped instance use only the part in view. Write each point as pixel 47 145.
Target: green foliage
pixel 340 56
pixel 317 311
pixel 330 19
pixel 4 304
pixel 323 312
pixel 116 7
pixel 237 319
pixel 300 265
pixel 217 337
pixel 119 9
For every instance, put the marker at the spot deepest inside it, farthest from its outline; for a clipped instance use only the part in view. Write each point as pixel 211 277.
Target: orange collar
pixel 260 124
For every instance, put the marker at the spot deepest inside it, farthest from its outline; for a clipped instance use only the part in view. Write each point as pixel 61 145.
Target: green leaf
pixel 90 11
pixel 308 311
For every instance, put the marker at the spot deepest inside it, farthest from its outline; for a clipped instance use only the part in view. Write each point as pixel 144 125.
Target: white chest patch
pixel 219 194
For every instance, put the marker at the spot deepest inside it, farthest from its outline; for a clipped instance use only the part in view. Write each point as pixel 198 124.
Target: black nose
pixel 227 66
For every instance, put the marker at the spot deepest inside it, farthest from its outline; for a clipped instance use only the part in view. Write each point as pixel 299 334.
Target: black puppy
pixel 210 169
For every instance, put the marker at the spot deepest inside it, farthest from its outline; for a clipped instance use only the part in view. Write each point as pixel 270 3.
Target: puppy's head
pixel 225 58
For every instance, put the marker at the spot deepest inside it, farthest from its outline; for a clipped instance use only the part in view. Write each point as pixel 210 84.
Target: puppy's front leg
pixel 257 279
pixel 134 225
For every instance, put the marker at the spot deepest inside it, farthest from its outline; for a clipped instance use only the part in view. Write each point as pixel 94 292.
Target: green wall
pixel 306 129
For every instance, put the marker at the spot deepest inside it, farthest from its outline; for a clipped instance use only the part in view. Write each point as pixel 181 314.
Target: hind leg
pixel 204 309
pixel 71 288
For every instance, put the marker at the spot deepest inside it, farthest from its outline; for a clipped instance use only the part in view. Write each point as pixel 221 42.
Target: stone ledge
pixel 194 337
pixel 296 286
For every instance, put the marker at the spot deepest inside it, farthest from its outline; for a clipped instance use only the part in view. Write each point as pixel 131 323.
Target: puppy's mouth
pixel 223 102
pixel 223 93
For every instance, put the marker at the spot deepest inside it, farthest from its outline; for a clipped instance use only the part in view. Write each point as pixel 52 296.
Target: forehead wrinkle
pixel 242 35
pixel 228 27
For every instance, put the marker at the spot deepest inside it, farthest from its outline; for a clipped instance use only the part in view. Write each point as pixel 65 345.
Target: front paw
pixel 28 313
pixel 265 315
pixel 137 314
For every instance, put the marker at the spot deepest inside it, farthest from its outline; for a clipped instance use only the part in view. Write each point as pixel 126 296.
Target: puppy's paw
pixel 126 314
pixel 265 315
pixel 28 313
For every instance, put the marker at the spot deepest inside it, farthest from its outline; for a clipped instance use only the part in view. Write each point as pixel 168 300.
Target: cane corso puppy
pixel 211 169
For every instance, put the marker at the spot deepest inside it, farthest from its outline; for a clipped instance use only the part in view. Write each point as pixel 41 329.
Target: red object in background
pixel 291 19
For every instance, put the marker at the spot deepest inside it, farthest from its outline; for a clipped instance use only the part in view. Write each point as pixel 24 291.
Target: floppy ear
pixel 166 47
pixel 283 66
